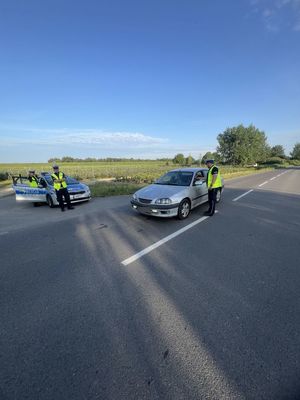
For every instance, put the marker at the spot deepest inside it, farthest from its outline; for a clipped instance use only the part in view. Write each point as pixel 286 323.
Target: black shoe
pixel 62 209
pixel 208 212
pixel 70 208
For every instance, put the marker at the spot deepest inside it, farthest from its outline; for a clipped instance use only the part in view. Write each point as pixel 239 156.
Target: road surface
pixel 103 303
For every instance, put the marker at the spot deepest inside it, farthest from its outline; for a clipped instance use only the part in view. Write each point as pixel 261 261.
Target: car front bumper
pixel 156 210
pixel 77 197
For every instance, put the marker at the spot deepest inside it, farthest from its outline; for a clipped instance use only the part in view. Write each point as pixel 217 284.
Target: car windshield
pixel 70 181
pixel 176 178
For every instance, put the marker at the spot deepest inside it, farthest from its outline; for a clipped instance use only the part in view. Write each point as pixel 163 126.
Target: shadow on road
pixel 214 314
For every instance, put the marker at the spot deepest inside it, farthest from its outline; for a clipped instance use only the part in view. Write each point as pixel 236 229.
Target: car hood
pixel 160 191
pixel 77 187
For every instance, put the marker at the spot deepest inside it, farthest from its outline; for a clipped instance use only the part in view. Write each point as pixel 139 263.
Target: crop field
pixel 112 178
pixel 128 171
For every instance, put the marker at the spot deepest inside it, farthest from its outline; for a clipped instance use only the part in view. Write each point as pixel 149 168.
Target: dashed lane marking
pixel 242 195
pixel 262 184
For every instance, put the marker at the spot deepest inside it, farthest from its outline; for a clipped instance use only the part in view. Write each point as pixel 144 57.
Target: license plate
pixel 75 196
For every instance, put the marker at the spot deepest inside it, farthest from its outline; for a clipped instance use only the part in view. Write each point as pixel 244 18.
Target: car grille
pixel 146 201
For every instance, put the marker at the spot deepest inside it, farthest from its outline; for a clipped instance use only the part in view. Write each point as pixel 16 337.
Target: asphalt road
pixel 212 313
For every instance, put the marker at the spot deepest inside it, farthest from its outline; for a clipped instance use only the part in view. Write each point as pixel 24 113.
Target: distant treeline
pixel 104 160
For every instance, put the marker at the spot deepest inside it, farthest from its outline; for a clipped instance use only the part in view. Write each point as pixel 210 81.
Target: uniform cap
pixel 32 171
pixel 55 166
pixel 209 161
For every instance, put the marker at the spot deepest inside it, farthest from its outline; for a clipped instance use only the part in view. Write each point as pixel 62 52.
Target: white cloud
pixel 95 143
pixel 279 14
pixel 267 13
pixel 37 136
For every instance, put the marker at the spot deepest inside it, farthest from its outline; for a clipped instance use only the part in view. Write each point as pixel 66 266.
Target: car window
pixel 176 178
pixel 71 181
pixel 43 182
pixel 48 179
pixel 199 176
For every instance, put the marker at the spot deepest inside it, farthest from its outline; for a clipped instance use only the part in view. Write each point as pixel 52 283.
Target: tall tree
pixel 179 159
pixel 277 151
pixel 189 160
pixel 242 145
pixel 295 154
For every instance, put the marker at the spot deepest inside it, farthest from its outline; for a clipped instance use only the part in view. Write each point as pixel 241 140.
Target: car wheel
pixel 219 195
pixel 184 209
pixel 49 201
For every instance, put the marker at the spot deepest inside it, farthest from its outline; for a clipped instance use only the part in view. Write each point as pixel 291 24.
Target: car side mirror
pixel 198 183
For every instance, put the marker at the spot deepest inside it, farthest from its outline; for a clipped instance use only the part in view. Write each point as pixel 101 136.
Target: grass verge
pixel 5 184
pixel 102 189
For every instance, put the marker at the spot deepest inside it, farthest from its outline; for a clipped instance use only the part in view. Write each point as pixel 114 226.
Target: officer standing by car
pixel 214 183
pixel 33 179
pixel 60 186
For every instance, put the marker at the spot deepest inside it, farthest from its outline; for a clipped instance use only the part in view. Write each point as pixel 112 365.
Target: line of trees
pixel 66 159
pixel 238 145
pixel 244 146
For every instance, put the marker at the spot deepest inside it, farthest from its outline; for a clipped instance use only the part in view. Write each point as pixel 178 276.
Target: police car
pixel 45 192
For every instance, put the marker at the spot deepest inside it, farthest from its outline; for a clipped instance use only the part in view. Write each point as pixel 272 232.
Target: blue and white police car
pixel 45 192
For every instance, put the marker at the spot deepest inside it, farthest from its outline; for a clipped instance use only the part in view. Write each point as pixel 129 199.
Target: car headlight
pixel 163 201
pixel 134 196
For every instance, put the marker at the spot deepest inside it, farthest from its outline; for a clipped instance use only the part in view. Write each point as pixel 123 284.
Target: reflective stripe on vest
pixel 218 182
pixel 59 185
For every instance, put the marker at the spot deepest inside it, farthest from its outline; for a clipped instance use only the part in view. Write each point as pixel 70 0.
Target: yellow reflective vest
pixel 33 182
pixel 59 181
pixel 218 181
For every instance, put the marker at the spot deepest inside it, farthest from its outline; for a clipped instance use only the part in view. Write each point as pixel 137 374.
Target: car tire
pixel 49 201
pixel 219 195
pixel 184 209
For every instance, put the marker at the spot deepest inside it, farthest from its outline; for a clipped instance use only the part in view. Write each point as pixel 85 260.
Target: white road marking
pixel 262 184
pixel 162 241
pixel 274 177
pixel 242 195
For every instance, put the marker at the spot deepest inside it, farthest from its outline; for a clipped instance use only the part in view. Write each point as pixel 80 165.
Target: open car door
pixel 24 192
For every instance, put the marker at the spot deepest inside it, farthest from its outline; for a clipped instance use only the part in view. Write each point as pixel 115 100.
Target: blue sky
pixel 141 78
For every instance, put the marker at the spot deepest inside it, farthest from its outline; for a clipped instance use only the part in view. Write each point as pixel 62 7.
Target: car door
pixel 198 189
pixel 24 192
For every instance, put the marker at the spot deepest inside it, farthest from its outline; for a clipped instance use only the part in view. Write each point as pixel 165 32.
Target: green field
pixel 127 176
pixel 137 171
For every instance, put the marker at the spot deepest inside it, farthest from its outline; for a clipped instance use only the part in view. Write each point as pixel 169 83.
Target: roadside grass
pixel 103 189
pixel 243 172
pixel 5 184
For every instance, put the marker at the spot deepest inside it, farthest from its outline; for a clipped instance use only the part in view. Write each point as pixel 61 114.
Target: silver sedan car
pixel 174 194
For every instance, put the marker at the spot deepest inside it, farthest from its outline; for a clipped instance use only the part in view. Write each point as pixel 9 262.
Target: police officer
pixel 33 179
pixel 213 182
pixel 60 186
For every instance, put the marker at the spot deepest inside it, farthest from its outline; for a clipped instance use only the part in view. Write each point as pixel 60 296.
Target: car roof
pixel 188 169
